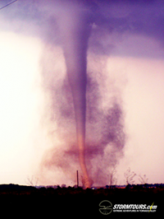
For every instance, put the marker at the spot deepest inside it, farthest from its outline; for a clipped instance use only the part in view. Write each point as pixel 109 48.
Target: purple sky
pixel 125 56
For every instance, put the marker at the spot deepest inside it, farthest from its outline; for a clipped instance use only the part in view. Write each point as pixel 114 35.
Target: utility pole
pixel 77 180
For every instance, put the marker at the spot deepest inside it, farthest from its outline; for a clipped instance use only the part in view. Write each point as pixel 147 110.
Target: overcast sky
pixel 126 46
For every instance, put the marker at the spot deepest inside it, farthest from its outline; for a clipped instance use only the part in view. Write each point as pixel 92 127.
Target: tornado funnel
pixel 75 29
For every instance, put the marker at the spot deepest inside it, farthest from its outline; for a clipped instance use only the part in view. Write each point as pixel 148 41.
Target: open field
pixel 76 201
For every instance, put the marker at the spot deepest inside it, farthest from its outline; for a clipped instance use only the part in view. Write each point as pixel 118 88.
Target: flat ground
pixel 75 201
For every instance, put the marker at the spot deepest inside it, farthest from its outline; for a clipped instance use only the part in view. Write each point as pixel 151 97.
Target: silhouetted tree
pixel 143 179
pixel 129 176
pixel 32 181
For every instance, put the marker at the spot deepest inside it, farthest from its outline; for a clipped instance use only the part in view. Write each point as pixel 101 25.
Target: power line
pixel 8 4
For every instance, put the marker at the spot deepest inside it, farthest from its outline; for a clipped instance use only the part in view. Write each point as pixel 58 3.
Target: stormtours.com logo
pixel 106 207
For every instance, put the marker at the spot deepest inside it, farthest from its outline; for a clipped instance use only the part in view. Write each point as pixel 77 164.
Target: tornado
pixel 75 28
